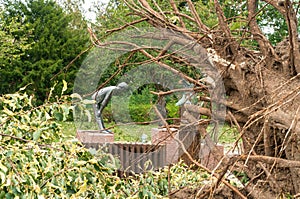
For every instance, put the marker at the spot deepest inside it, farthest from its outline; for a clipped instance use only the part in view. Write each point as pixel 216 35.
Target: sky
pixel 88 4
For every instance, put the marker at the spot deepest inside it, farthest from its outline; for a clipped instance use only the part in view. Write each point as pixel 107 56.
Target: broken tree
pixel 261 83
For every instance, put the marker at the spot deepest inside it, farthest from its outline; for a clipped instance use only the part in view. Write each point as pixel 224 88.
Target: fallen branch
pixel 162 93
pixel 207 112
pixel 279 162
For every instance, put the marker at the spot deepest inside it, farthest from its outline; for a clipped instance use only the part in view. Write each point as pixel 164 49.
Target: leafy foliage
pixel 37 162
pixel 273 24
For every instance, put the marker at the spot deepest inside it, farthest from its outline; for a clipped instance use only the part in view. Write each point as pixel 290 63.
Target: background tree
pixel 259 69
pixel 56 40
pixel 12 46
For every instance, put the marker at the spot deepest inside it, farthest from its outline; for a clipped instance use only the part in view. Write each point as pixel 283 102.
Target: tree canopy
pixel 55 40
pixel 12 48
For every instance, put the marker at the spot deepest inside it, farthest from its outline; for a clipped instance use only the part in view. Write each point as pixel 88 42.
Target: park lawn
pixel 133 132
pixel 130 133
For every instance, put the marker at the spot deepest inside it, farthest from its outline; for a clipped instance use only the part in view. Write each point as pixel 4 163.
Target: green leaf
pixel 41 197
pixel 58 116
pixel 76 95
pixel 81 163
pixel 2 177
pixel 3 168
pixel 8 112
pixel 51 90
pixel 86 101
pixel 65 86
pixel 36 135
pixel 48 117
pixel 88 114
pixel 24 87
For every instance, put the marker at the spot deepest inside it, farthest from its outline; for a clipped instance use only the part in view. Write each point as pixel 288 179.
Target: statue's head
pixel 122 85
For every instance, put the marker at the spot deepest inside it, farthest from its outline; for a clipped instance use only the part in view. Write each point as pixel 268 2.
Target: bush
pixel 138 109
pixel 37 161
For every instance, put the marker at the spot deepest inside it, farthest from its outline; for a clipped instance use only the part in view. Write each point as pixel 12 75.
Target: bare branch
pixel 201 26
pixel 264 44
pixel 176 11
pixel 279 162
pixel 224 27
pixel 127 25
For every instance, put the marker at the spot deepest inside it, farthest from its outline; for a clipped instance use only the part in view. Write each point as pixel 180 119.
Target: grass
pixel 133 132
pixel 130 133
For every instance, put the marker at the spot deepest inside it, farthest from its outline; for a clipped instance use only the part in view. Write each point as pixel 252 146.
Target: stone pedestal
pixel 207 158
pixel 162 136
pixel 94 136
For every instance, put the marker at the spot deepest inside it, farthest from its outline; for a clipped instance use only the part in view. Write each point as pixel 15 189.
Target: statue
pixel 185 99
pixel 102 98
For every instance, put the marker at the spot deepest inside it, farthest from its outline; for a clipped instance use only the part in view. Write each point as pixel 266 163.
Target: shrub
pixel 36 161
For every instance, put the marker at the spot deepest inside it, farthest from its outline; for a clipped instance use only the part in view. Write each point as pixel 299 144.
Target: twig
pixel 272 108
pixel 291 128
pixel 162 93
pixel 274 92
pixel 176 11
pixel 126 25
pixel 14 137
pixel 141 123
pixel 71 62
pixel 181 15
pixel 201 26
pixel 25 140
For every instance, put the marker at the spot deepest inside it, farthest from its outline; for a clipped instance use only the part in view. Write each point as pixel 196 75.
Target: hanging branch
pixel 176 11
pixel 224 27
pixel 264 44
pixel 201 26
